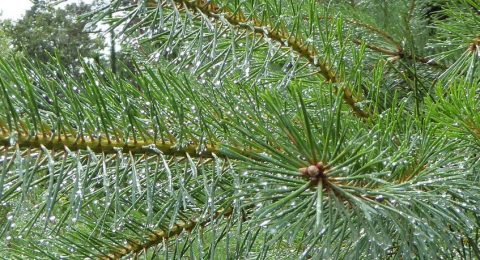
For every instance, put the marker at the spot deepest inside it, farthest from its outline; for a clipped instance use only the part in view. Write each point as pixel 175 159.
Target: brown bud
pixel 313 170
pixel 303 171
pixel 320 166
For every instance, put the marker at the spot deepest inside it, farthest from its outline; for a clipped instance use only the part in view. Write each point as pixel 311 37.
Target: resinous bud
pixel 313 170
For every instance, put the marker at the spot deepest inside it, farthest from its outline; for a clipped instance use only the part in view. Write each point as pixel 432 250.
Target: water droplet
pixel 264 223
pixel 379 198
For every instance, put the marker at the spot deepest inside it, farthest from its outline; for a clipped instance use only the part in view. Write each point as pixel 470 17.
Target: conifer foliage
pixel 251 129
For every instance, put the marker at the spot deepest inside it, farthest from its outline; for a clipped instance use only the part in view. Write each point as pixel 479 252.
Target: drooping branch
pixel 308 52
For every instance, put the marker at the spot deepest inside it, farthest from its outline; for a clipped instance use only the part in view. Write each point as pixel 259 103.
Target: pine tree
pixel 251 129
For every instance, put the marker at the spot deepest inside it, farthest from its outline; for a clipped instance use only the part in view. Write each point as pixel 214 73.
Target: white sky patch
pixel 15 9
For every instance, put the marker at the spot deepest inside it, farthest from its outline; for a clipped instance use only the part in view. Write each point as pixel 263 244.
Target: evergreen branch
pixel 105 166
pixel 399 54
pixel 377 31
pixel 370 28
pixel 377 48
pixel 158 236
pixel 283 38
pixel 58 142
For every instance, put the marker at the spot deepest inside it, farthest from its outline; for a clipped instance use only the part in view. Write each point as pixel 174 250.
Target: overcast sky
pixel 14 9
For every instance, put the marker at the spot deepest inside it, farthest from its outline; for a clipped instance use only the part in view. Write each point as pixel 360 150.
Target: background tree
pixel 47 30
pixel 5 43
pixel 252 129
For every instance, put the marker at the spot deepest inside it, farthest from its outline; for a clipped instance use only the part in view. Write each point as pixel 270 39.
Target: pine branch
pixel 158 236
pixel 377 31
pixel 58 142
pixel 104 166
pixel 283 38
pixel 399 54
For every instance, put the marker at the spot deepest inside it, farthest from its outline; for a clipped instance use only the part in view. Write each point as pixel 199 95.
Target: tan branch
pixel 158 236
pixel 282 37
pixel 58 142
